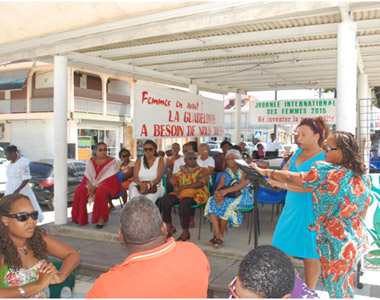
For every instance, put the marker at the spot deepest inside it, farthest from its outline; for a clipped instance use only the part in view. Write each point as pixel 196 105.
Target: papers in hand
pixel 253 175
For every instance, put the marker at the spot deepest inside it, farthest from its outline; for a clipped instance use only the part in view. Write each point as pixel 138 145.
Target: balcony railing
pixel 12 106
pixel 89 106
pixel 118 109
pixel 42 105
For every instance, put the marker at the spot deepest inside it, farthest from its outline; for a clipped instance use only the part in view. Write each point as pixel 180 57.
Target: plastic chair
pixel 250 211
pixel 118 195
pixel 200 205
pixel 267 196
pixel 56 289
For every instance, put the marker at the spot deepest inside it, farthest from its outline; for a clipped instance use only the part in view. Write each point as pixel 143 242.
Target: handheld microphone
pixel 286 159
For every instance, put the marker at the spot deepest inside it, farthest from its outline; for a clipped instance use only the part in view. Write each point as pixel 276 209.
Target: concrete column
pixel 193 89
pixel 347 77
pixel 29 92
pixel 104 94
pixel 237 118
pixel 364 118
pixel 60 139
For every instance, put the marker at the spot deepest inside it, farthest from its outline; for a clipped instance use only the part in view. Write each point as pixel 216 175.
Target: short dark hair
pixel 225 142
pixel 267 271
pixel 140 221
pixel 236 147
pixel 11 149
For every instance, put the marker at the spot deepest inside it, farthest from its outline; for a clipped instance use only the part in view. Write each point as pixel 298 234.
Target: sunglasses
pixel 102 149
pixel 327 148
pixel 148 149
pixel 192 158
pixel 125 155
pixel 23 216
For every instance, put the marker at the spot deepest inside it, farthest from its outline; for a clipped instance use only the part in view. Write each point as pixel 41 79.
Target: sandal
pixel 171 232
pixel 212 241
pixel 218 243
pixel 183 238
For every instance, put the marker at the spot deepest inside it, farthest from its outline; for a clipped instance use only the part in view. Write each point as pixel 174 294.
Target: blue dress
pixel 292 234
pixel 229 210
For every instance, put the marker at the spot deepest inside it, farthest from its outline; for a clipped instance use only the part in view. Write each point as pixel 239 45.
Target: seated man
pixel 189 189
pixel 267 272
pixel 156 267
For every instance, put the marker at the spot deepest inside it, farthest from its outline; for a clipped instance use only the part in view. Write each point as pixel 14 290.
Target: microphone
pixel 286 159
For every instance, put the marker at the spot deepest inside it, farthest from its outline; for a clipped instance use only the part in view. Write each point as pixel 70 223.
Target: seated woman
pixel 204 160
pixel 24 272
pixel 223 210
pixel 126 167
pixel 99 183
pixel 189 189
pixel 259 153
pixel 147 174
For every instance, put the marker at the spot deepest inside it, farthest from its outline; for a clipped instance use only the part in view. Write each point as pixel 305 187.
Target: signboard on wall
pixel 293 111
pixel 163 113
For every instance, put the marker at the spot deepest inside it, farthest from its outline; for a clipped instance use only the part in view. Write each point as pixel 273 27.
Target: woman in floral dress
pixel 341 195
pixel 24 272
pixel 222 210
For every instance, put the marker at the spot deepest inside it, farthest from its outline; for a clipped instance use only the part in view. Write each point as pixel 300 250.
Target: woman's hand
pixel 46 274
pixel 263 172
pixel 59 277
pixel 219 196
pixel 177 190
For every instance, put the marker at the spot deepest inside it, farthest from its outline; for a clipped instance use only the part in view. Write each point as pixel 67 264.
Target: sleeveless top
pixel 148 174
pixel 21 277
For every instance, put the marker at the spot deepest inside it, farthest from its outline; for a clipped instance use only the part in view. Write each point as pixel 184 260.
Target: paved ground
pixel 100 250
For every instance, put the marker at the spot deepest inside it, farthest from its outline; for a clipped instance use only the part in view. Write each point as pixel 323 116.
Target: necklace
pixel 311 152
pixel 23 248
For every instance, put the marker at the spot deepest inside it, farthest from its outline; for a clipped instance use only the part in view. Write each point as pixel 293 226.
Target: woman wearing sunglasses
pixel 99 183
pixel 126 167
pixel 341 195
pixel 148 173
pixel 292 234
pixel 18 176
pixel 24 273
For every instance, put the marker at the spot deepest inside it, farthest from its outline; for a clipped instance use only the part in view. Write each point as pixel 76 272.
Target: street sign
pixel 258 134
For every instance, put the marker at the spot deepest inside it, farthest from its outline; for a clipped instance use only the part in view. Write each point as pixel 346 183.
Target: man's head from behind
pixel 265 272
pixel 140 223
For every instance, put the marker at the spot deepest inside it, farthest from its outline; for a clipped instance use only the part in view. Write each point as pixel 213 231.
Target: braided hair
pixel 8 249
pixel 154 145
pixel 347 143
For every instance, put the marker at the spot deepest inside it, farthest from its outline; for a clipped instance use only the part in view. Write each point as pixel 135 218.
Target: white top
pixel 150 174
pixel 209 162
pixel 177 163
pixel 17 172
pixel 273 146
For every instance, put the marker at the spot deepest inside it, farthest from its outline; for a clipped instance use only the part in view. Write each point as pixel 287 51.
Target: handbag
pixel 187 193
pixel 152 190
pixel 232 194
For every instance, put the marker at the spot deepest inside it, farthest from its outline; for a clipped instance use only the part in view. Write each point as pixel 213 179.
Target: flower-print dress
pixel 338 198
pixel 21 277
pixel 229 209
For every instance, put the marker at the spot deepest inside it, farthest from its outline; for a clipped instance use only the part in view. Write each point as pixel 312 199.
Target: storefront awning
pixel 13 80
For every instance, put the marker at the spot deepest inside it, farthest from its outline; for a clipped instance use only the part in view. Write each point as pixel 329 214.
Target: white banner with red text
pixel 164 113
pixel 292 111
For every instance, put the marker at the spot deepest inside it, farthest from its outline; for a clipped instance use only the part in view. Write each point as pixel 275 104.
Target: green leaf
pixel 374 261
pixel 374 252
pixel 376 220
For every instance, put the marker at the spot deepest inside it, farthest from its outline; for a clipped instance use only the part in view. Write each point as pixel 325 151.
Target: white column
pixel 364 118
pixel 29 92
pixel 193 89
pixel 104 94
pixel 347 77
pixel 60 139
pixel 237 118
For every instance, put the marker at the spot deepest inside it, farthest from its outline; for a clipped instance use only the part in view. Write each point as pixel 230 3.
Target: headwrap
pixel 235 152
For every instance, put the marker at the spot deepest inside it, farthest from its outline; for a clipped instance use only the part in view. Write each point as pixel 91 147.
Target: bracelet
pixel 22 292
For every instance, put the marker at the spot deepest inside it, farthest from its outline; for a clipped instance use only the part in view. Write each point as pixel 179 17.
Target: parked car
pixel 3 174
pixel 213 145
pixel 42 181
